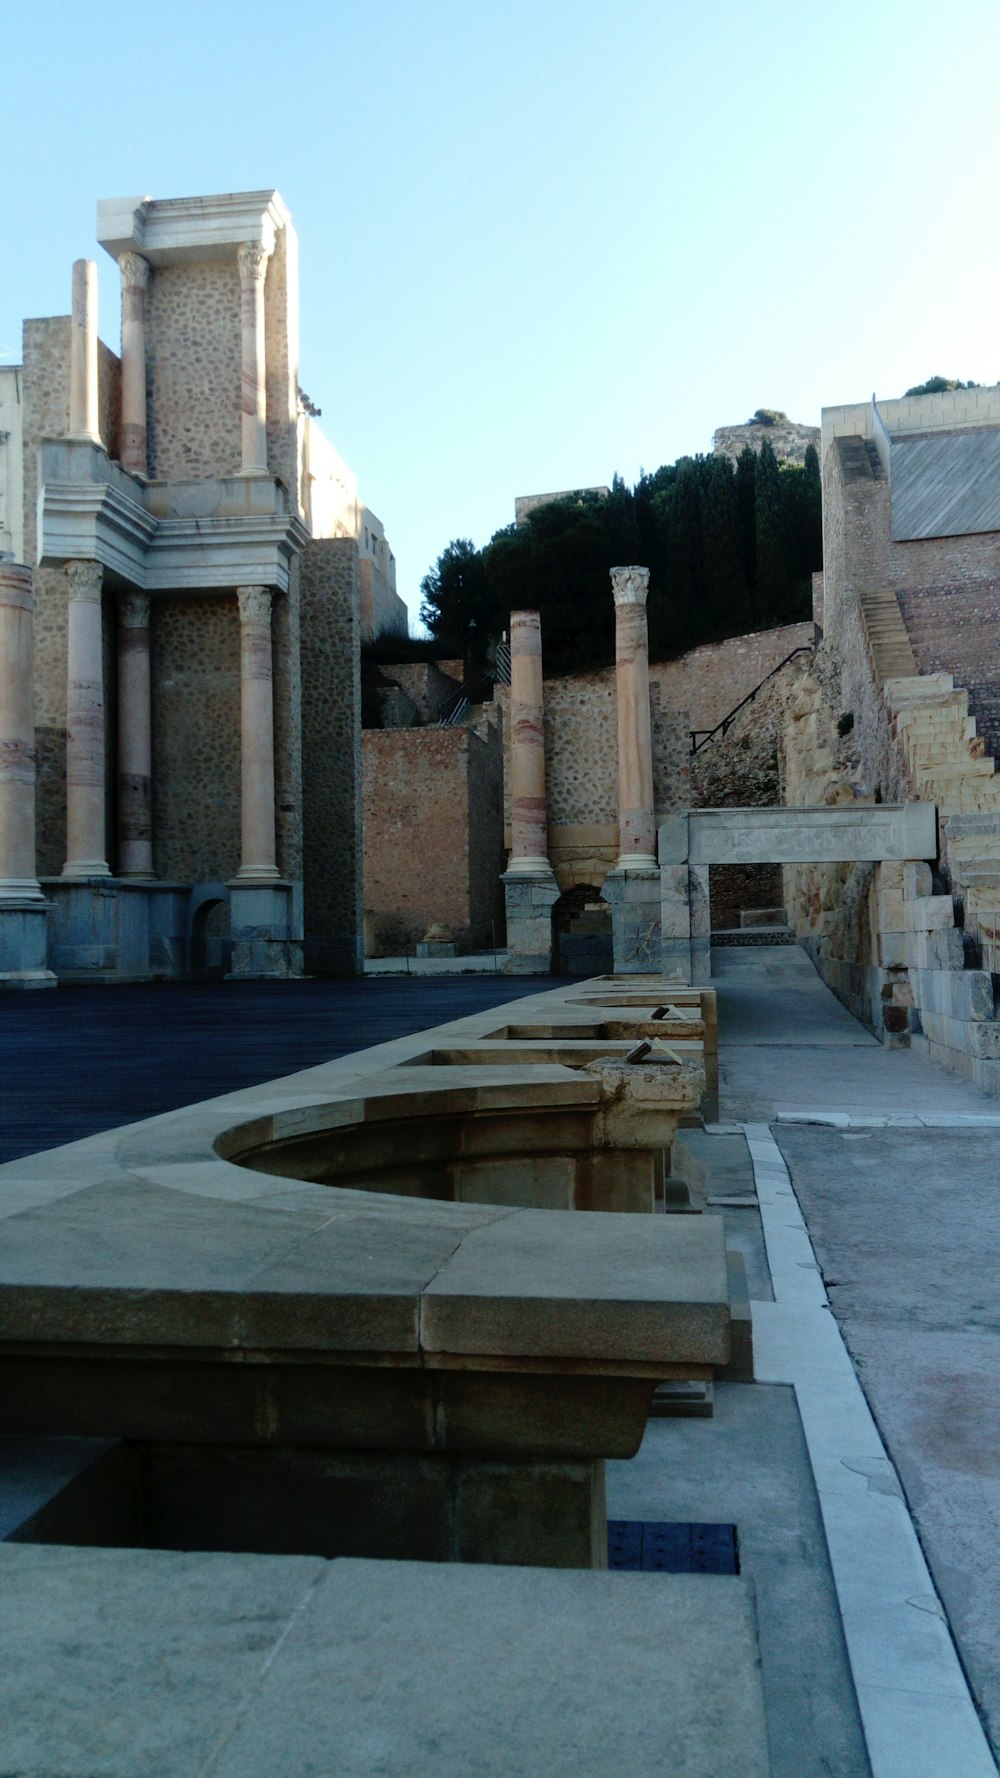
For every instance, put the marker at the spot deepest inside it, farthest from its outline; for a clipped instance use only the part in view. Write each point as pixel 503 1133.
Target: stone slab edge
pixel 918 1715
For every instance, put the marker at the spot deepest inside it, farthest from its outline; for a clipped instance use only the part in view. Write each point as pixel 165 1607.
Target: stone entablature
pixel 216 532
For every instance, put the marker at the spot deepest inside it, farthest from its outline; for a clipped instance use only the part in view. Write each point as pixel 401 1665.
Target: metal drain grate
pixel 653 1546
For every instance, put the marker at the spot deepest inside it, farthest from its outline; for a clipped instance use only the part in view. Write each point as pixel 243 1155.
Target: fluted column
pixel 636 826
pixel 528 809
pixel 135 752
pixel 258 861
pixel 18 881
pixel 83 409
pixel 135 280
pixel 252 258
pixel 85 725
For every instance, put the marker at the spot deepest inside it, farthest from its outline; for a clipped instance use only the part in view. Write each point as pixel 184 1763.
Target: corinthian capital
pixel 252 259
pixel 135 271
pixel 255 604
pixel 85 579
pixel 630 585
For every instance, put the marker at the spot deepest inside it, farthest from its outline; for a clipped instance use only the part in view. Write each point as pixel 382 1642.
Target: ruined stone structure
pixel 788 439
pixel 899 702
pixel 203 571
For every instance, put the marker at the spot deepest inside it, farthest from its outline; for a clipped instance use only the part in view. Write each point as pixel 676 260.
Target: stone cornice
pixel 164 536
pixel 175 231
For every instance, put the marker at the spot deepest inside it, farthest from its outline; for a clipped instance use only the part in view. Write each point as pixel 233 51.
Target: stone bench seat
pixel 261 1336
pixel 169 1664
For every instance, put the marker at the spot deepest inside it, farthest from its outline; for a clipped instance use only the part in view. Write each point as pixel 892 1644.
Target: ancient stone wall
pixel 431 823
pixel 487 857
pixel 195 679
pixel 424 687
pixel 329 651
pixel 193 364
pixel 708 682
pixel 789 439
pixel 281 309
pixel 742 769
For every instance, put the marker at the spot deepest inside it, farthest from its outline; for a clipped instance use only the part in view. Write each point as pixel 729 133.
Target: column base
pixel 529 896
pixel 267 938
pixel 17 891
pixel 641 861
pixel 633 895
pixel 24 943
pixel 85 869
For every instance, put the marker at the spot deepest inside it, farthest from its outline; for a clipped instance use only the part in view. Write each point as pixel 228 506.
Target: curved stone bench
pixel 312 1366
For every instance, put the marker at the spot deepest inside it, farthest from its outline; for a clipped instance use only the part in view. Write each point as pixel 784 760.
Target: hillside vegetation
pixel 730 548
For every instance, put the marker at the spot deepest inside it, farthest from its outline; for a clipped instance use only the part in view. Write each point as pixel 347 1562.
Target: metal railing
pixel 700 737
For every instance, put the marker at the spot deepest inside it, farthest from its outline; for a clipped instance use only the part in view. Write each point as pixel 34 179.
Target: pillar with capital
pixel 83 403
pixel 135 753
pixel 252 259
pixel 85 738
pixel 632 889
pixel 530 887
pixel 266 939
pixel 23 908
pixel 135 274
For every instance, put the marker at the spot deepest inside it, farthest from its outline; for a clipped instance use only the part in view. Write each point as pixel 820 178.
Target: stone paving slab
pixel 301 1667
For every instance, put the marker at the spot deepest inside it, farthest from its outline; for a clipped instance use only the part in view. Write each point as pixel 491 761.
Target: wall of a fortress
pixel 45 407
pixel 329 652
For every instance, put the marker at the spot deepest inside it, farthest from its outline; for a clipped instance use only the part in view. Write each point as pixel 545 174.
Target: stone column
pixel 636 829
pixel 17 736
pixel 135 753
pixel 529 885
pixel 135 273
pixel 85 725
pixel 258 853
pixel 252 258
pixel 23 909
pixel 632 889
pixel 83 412
pixel 528 810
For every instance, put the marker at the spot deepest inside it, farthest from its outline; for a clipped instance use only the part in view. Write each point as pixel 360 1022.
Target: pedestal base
pixel 686 923
pixel 529 897
pixel 633 896
pixel 24 944
pixel 267 932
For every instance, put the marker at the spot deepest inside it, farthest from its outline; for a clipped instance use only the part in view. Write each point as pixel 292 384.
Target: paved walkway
pixel 905 1223
pixel 74 1061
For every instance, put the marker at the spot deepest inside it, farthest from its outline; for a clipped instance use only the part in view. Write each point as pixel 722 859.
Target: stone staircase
pixel 955 629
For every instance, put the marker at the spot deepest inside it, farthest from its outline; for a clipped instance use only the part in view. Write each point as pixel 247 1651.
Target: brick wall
pixel 329 651
pixel 433 835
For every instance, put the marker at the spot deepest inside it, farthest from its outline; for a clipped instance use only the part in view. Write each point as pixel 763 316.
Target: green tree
pixel 455 593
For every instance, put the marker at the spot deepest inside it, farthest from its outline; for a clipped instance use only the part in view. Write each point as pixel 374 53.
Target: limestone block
pixel 929 913
pixel 24 945
pixel 984 1040
pixel 892 950
pixel 935 950
pixel 917 881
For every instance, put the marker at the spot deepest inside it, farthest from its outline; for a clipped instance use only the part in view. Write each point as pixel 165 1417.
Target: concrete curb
pixel 918 1715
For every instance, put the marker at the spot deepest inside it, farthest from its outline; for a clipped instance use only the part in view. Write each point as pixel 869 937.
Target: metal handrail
pixel 700 737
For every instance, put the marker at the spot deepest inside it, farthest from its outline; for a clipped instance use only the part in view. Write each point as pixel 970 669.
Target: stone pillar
pixel 135 752
pixel 528 811
pixel 85 840
pixel 636 828
pixel 266 932
pixel 135 273
pixel 258 861
pixel 23 909
pixel 632 889
pixel 83 412
pixel 529 885
pixel 252 258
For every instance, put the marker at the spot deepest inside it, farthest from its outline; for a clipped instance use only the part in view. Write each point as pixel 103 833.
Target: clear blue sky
pixel 542 241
